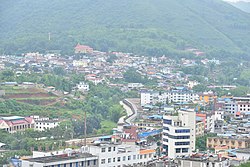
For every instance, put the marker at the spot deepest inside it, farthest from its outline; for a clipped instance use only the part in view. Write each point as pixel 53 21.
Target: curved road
pixel 130 114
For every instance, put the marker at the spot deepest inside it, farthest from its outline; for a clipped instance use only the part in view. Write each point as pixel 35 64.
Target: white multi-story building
pixel 230 106
pixel 179 133
pixel 236 104
pixel 152 97
pixel 112 155
pixel 181 97
pixel 243 103
pixel 43 123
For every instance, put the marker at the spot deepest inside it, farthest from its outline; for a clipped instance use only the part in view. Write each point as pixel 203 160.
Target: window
pixel 109 149
pixel 182 131
pixel 113 148
pixel 124 158
pixel 176 137
pixel 103 150
pixel 118 159
pixel 134 157
pixel 129 157
pixel 167 121
pixel 109 160
pixel 181 143
pixel 145 155
pixel 185 150
pixel 166 128
pixel 94 162
pixel 88 162
pixel 102 161
pixel 177 150
pixel 113 159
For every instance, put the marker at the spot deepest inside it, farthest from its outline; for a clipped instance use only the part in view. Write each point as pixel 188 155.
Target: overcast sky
pixel 237 0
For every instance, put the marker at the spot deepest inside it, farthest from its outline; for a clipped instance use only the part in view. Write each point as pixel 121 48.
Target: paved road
pixel 129 112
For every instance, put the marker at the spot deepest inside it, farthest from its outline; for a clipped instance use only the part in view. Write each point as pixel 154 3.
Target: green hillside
pixel 151 27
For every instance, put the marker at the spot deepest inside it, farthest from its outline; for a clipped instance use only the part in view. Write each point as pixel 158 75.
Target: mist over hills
pixel 243 5
pixel 152 27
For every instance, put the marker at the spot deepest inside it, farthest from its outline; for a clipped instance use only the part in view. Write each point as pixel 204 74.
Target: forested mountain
pixel 244 6
pixel 152 27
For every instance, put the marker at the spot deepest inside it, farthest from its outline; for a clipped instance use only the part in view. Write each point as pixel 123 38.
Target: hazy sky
pixel 237 0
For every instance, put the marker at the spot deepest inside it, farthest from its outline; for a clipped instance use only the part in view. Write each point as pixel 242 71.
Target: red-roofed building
pixel 130 134
pixel 14 124
pixel 83 49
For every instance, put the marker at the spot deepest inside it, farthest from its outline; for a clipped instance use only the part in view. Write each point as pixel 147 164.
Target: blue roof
pixel 155 116
pixel 105 137
pixel 199 118
pixel 151 133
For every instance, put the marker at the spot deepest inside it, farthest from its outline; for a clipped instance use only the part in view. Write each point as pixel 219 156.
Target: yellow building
pixel 207 97
pixel 199 128
pixel 231 143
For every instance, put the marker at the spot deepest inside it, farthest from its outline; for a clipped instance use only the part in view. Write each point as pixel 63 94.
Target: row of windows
pixel 109 149
pixel 183 150
pixel 182 131
pixel 167 121
pixel 82 163
pixel 181 143
pixel 176 137
pixel 124 158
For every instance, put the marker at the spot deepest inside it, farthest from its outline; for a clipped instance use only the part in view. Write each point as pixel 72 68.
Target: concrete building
pixel 232 143
pixel 14 124
pixel 63 160
pixel 174 96
pixel 204 162
pixel 44 124
pixel 112 155
pixel 179 133
pixel 199 128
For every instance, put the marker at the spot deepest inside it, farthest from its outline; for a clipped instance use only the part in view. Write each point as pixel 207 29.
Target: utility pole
pixel 85 128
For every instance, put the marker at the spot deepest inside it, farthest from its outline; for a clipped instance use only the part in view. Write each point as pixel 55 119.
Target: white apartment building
pixel 210 123
pixel 179 133
pixel 230 106
pixel 237 104
pixel 152 97
pixel 112 155
pixel 43 123
pixel 181 97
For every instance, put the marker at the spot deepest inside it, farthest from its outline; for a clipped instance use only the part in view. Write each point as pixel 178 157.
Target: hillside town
pixel 170 121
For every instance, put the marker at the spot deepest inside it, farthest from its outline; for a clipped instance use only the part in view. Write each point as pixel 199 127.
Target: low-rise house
pixel 14 124
pixel 83 49
pixel 83 87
